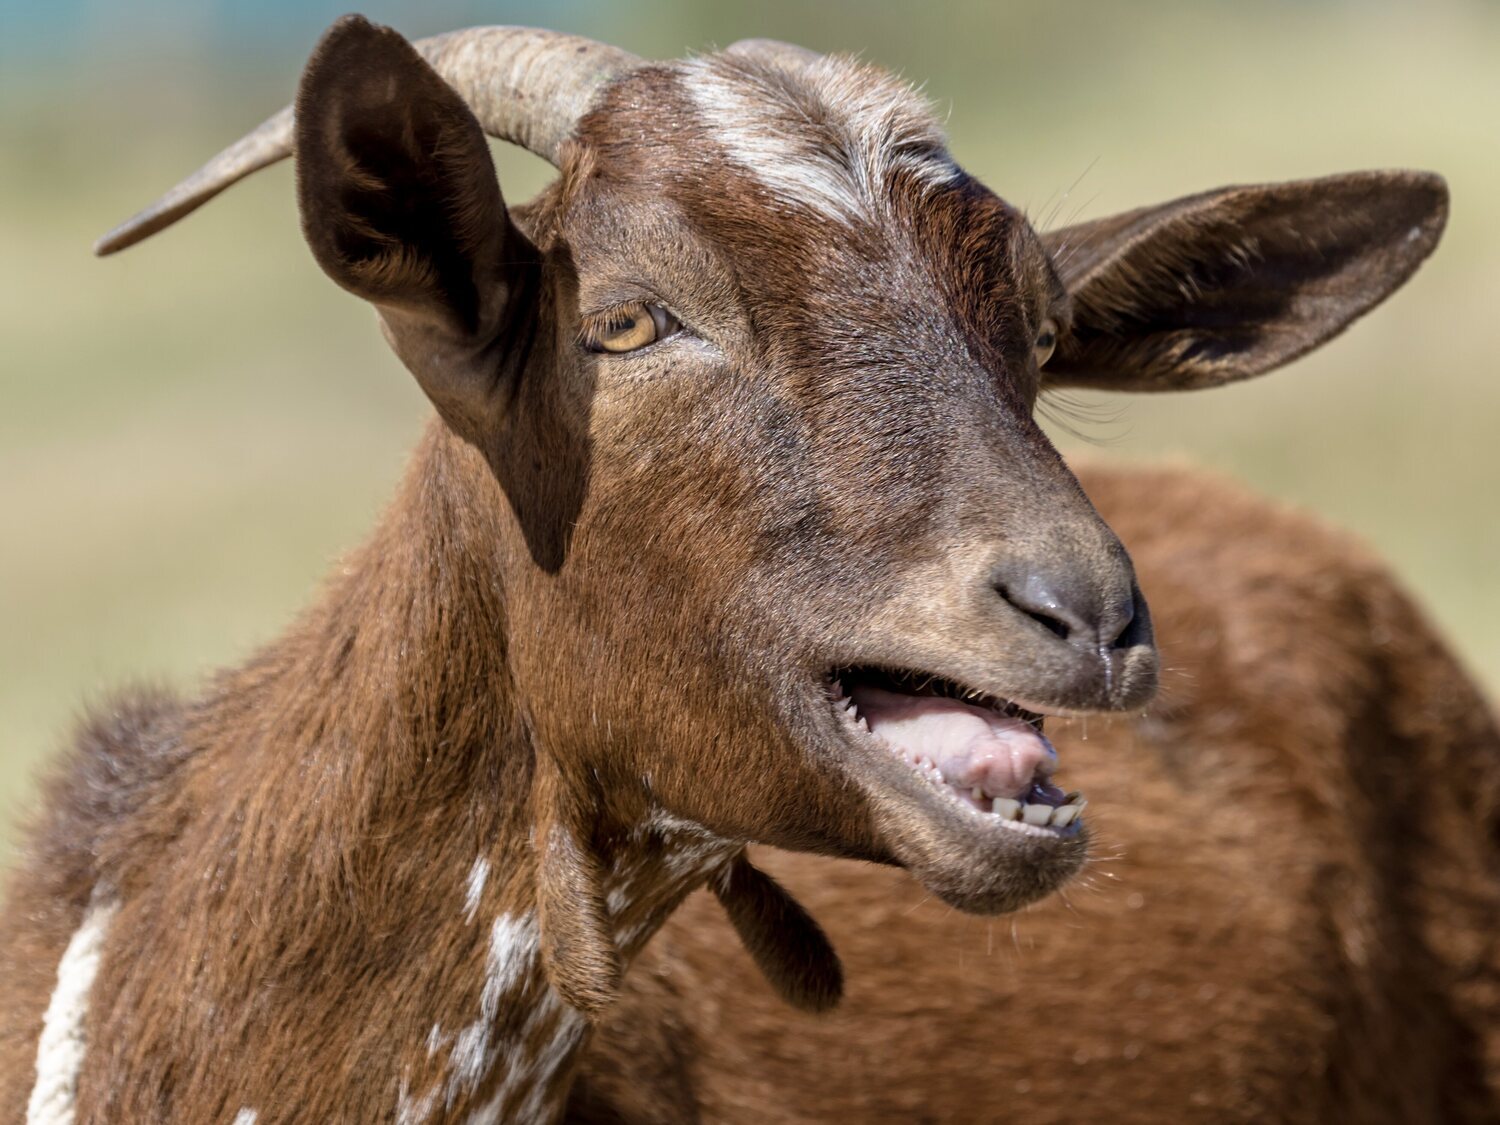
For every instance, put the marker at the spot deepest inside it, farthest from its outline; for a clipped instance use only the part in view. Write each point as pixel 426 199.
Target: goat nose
pixel 1086 611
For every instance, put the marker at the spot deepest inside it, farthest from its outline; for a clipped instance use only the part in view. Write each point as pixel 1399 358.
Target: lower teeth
pixel 1059 816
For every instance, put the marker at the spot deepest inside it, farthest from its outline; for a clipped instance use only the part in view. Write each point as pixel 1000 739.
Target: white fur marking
pixel 477 875
pixel 60 1051
pixel 627 936
pixel 783 164
pixel 681 852
pixel 618 899
pixel 410 1112
pixel 566 1037
pixel 829 135
pixel 245 1116
pixel 512 956
pixel 564 1029
pixel 667 823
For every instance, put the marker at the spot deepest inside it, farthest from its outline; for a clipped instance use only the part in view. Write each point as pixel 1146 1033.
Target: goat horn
pixel 785 56
pixel 525 85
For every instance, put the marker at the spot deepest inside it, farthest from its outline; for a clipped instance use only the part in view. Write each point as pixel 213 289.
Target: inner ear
pixel 415 203
pixel 401 207
pixel 1232 283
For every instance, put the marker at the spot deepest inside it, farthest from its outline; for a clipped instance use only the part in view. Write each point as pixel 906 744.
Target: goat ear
pixel 1232 283
pixel 785 942
pixel 400 206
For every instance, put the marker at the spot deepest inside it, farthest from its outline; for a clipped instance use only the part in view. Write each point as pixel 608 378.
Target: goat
pixel 733 525
pixel 1296 924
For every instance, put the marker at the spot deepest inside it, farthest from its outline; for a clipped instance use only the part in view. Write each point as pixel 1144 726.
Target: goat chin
pixel 1289 916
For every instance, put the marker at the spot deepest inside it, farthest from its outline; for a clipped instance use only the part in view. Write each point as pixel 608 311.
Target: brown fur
pixel 1294 919
pixel 390 866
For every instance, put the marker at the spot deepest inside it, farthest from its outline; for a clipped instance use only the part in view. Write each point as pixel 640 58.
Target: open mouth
pixel 989 755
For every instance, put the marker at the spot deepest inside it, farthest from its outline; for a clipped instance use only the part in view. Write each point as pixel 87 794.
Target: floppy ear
pixel 400 206
pixel 1232 283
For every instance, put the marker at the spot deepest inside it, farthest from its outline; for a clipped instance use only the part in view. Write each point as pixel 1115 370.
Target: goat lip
pixel 987 760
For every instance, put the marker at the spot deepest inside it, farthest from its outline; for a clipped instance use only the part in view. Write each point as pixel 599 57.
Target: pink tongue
pixel 973 746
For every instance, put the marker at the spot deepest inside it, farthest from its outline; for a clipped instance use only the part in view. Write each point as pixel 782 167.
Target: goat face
pixel 785 552
pixel 821 483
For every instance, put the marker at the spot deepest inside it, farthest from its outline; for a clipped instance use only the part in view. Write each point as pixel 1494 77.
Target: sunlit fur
pixel 396 863
pixel 1291 917
pixel 831 135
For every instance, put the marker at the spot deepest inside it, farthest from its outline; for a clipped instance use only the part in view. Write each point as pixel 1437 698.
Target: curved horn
pixel 525 85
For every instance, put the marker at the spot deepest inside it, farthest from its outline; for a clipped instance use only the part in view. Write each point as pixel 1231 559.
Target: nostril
pixel 1072 605
pixel 1115 627
pixel 1046 617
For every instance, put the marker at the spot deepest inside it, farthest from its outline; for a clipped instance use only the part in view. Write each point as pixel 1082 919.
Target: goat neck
pixel 361 816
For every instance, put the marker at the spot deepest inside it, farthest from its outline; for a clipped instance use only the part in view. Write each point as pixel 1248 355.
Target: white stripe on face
pixel 827 135
pixel 782 163
pixel 60 1051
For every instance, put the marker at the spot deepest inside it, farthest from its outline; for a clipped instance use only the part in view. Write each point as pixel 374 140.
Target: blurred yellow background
pixel 192 432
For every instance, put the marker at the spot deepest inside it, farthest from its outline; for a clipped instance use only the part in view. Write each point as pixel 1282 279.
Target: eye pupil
pixel 1046 341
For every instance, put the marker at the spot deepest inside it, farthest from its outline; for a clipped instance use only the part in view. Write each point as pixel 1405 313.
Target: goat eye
pixel 1046 341
pixel 630 328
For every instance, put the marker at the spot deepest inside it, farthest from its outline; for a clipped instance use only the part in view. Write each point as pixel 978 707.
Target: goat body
pixel 734 526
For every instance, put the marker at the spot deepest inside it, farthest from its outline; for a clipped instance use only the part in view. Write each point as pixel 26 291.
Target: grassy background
pixel 190 433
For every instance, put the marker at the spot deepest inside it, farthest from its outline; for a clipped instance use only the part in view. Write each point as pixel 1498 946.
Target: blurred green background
pixel 192 432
